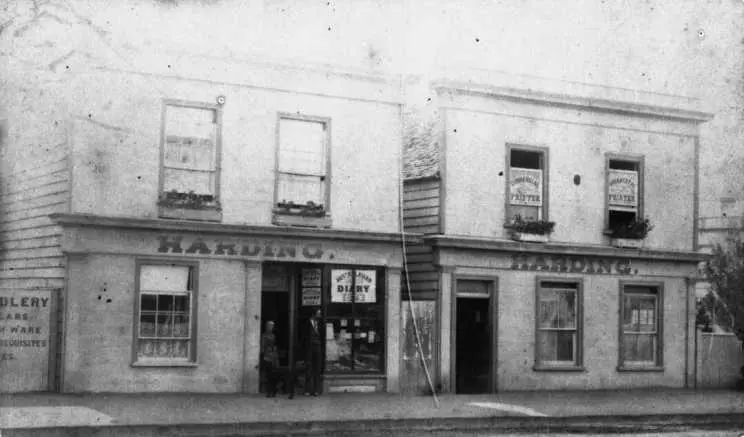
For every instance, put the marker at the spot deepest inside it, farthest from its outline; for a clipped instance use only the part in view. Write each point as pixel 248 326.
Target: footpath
pixel 213 415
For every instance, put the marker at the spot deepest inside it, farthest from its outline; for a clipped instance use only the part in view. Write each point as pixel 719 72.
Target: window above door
pixel 302 184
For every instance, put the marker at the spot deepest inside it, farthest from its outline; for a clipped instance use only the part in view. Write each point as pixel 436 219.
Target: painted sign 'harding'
pixel 572 264
pixel 251 249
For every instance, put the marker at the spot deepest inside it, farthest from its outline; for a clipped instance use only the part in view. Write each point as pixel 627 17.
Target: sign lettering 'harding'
pixel 572 264
pixel 249 249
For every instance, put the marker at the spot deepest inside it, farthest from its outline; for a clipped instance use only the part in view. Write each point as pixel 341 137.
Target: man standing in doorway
pixel 314 357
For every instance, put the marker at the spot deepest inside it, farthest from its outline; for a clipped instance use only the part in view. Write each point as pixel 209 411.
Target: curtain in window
pixel 165 312
pixel 190 152
pixel 302 162
pixel 557 325
pixel 639 328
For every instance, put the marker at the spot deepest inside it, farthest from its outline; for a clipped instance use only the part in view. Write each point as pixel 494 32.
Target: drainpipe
pixel 688 282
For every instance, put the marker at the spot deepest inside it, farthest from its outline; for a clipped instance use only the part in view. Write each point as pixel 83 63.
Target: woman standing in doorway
pixel 269 358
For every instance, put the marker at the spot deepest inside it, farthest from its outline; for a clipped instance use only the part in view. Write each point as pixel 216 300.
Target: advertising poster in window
pixel 525 186
pixel 311 296
pixel 365 286
pixel 622 188
pixel 311 277
pixel 24 339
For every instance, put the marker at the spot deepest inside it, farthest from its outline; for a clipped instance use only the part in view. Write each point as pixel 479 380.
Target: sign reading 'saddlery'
pixel 24 339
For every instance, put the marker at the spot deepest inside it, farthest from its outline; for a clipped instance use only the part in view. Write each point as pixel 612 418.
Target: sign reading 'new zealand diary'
pixel 363 286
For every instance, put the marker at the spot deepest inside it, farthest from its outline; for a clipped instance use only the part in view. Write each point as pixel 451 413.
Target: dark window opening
pixel 616 164
pixel 619 219
pixel 525 159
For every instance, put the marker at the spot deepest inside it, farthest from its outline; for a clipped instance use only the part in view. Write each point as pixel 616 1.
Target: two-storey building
pixel 159 210
pixel 519 307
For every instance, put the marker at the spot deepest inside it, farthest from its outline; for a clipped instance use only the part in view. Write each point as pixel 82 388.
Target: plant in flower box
pixel 189 206
pixel 309 209
pixel 631 233
pixel 190 200
pixel 530 230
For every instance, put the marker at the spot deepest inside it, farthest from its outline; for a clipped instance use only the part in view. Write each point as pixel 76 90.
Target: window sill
pixel 163 364
pixel 627 243
pixel 649 368
pixel 547 368
pixel 529 238
pixel 350 375
pixel 284 219
pixel 204 215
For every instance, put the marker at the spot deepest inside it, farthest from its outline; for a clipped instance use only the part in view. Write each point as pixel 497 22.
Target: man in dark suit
pixel 314 354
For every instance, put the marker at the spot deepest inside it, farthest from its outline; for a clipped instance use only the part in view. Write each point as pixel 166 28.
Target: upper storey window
pixel 302 171
pixel 527 184
pixel 624 191
pixel 190 161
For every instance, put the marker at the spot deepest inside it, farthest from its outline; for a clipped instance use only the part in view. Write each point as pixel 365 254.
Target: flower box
pixel 284 219
pixel 204 215
pixel 309 209
pixel 529 238
pixel 532 231
pixel 627 243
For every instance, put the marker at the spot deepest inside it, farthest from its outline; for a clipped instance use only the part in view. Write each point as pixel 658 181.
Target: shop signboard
pixel 310 296
pixel 25 318
pixel 525 187
pixel 311 277
pixel 622 188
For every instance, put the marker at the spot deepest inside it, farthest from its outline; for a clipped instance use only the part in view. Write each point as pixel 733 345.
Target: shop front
pixel 562 317
pixel 178 306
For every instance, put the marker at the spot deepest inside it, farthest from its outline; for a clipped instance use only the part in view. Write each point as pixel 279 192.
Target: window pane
pixel 528 213
pixel 525 159
pixel 639 348
pixel 338 347
pixel 148 302
pixel 165 325
pixel 180 349
pixel 146 349
pixel 165 303
pixel 556 346
pixel 184 181
pixel 181 326
pixel 190 143
pixel 190 122
pixel 164 278
pixel 369 345
pixel 617 164
pixel 300 189
pixel 189 153
pixel 557 308
pixel 301 147
pixel 147 325
pixel 639 313
pixel 181 303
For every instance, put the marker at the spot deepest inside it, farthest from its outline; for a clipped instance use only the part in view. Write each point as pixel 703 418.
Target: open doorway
pixel 474 338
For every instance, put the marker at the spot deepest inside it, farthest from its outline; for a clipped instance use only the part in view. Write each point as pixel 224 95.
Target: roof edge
pixel 457 242
pixel 677 108
pixel 72 220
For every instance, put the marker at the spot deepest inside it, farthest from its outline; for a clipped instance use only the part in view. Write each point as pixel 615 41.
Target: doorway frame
pixel 492 297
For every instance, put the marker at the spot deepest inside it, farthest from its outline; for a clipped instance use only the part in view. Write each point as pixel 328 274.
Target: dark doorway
pixel 473 345
pixel 275 307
